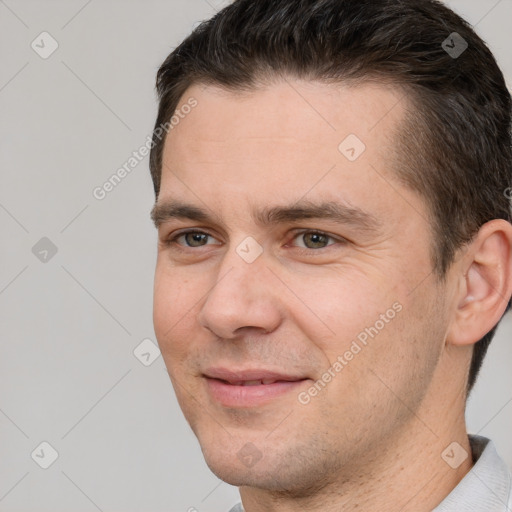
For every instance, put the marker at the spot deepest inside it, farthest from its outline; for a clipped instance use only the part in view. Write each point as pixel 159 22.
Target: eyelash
pixel 173 240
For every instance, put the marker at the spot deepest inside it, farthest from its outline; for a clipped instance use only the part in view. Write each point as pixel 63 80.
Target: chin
pixel 279 473
pixel 290 484
pixel 263 478
pixel 246 466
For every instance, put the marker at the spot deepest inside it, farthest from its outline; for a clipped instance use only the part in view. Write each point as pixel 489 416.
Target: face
pixel 292 298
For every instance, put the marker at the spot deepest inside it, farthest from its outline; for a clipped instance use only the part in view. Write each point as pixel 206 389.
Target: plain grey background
pixel 70 321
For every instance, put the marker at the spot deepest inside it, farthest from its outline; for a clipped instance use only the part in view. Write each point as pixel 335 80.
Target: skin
pixel 372 438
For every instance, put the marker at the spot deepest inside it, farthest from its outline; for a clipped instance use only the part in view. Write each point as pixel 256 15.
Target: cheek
pixel 173 301
pixel 335 309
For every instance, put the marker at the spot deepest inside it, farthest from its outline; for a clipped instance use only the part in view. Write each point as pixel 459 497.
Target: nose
pixel 244 297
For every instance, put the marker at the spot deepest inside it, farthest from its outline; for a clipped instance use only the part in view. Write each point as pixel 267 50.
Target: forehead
pixel 283 141
pixel 286 118
pixel 293 108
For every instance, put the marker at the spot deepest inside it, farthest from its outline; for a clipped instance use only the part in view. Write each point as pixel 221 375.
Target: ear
pixel 484 276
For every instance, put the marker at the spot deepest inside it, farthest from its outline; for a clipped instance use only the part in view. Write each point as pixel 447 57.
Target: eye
pixel 313 239
pixel 191 239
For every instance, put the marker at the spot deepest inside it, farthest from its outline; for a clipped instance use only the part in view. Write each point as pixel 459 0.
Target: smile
pixel 230 389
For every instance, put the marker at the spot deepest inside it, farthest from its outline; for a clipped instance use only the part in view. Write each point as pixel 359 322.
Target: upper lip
pixel 237 376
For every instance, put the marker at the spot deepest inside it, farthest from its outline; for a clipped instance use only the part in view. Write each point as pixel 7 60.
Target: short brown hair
pixel 454 148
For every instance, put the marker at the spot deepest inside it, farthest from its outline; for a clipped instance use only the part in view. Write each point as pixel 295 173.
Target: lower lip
pixel 230 395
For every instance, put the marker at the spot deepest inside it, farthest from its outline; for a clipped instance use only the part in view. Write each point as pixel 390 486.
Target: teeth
pixel 251 383
pixel 254 382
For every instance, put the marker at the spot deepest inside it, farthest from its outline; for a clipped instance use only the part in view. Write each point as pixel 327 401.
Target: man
pixel 335 251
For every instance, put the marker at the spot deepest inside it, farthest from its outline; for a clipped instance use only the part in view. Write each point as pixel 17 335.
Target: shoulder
pixel 487 487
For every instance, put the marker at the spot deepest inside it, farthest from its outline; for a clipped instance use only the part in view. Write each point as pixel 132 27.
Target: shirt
pixel 487 487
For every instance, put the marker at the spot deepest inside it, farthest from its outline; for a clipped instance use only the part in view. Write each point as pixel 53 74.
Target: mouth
pixel 259 382
pixel 249 388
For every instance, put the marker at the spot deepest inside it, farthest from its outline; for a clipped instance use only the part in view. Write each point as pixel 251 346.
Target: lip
pixel 225 388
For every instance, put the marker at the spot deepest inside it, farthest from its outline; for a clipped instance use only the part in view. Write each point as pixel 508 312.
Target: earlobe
pixel 486 278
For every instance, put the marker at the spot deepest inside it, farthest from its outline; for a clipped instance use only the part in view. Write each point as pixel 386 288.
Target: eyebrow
pixel 298 211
